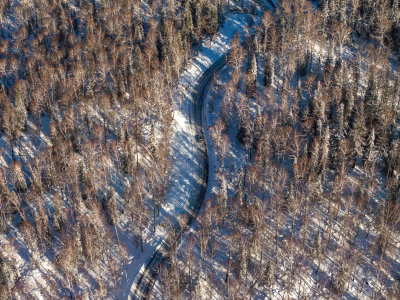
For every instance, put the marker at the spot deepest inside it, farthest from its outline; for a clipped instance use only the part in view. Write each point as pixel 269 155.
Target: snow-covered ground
pixel 185 184
pixel 313 278
pixel 187 161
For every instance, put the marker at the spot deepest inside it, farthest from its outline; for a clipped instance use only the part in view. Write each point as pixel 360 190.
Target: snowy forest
pixel 199 149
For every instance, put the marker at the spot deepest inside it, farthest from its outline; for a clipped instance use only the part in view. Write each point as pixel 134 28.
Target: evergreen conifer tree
pixel 372 105
pixel 188 28
pixel 137 63
pixel 19 178
pixel 268 275
pixel 269 70
pixel 325 149
pixel 22 113
pixel 370 154
pixel 111 206
pixel 317 248
pixel 213 21
pixel 198 22
pixel 138 32
pixel 224 192
pixel 349 104
pixel 357 133
pixel 340 120
pixel 165 48
pixel 252 74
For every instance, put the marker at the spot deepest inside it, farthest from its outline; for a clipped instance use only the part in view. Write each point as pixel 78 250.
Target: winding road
pixel 148 274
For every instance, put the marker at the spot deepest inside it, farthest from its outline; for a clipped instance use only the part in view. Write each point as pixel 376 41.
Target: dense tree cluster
pixel 314 210
pixel 86 110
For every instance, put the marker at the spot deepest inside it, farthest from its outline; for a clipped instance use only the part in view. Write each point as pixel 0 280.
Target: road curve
pixel 149 273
